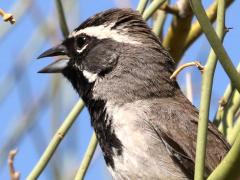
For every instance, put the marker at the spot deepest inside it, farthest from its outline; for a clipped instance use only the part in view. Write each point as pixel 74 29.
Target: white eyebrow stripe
pixel 82 49
pixel 105 32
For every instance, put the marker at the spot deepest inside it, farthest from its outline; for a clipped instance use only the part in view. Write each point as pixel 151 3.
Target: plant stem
pixel 87 158
pixel 216 43
pixel 231 129
pixel 236 129
pixel 228 115
pixel 178 30
pixel 7 16
pixel 196 29
pixel 142 5
pixel 20 9
pixel 62 19
pixel 159 22
pixel 224 102
pixel 206 92
pixel 229 167
pixel 152 9
pixel 57 138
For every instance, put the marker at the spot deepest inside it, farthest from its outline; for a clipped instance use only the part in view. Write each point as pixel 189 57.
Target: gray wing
pixel 175 124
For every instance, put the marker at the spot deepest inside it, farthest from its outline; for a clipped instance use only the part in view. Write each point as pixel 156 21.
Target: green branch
pixel 152 9
pixel 231 129
pixel 224 102
pixel 142 5
pixel 196 30
pixel 57 138
pixel 216 43
pixel 229 167
pixel 206 92
pixel 66 125
pixel 159 22
pixel 234 133
pixel 62 19
pixel 229 112
pixel 87 158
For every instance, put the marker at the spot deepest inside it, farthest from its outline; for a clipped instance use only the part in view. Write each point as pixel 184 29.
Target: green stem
pixel 229 167
pixel 224 102
pixel 152 9
pixel 215 43
pixel 235 132
pixel 206 92
pixel 62 19
pixel 232 131
pixel 57 138
pixel 87 158
pixel 159 22
pixel 228 114
pixel 142 5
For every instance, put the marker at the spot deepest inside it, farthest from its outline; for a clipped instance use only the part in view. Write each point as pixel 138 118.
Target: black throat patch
pixel 102 123
pixel 100 119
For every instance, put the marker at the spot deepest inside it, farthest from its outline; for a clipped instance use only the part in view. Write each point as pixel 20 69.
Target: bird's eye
pixel 81 41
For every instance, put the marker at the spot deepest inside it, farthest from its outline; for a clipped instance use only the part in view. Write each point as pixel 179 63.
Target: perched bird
pixel 145 126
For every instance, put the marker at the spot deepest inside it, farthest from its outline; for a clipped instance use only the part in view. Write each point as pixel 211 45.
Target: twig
pixel 180 68
pixel 170 9
pixel 7 17
pixel 159 20
pixel 142 5
pixel 14 175
pixel 19 8
pixel 230 110
pixel 229 167
pixel 57 138
pixel 35 106
pixel 236 129
pixel 196 29
pixel 189 92
pixel 216 43
pixel 227 125
pixel 179 30
pixel 87 158
pixel 152 9
pixel 62 19
pixel 224 101
pixel 66 125
pixel 207 81
pixel 222 104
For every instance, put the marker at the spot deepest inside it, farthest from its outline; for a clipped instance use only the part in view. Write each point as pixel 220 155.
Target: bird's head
pixel 116 38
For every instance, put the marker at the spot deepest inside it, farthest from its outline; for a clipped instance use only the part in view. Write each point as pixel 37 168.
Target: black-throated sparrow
pixel 144 124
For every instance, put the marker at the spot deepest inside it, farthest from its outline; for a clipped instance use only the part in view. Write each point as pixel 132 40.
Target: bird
pixel 144 124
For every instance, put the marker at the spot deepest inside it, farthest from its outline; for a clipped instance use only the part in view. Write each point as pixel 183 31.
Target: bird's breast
pixel 130 148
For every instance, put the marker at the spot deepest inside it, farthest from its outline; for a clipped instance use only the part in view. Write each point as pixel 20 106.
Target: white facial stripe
pixel 81 50
pixel 91 77
pixel 105 32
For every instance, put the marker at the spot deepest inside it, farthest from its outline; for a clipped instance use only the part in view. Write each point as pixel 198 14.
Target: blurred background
pixel 33 106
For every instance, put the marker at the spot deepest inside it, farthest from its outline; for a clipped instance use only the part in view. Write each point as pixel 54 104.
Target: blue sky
pixel 24 42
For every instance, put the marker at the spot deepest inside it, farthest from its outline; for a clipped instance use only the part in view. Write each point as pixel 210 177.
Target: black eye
pixel 81 41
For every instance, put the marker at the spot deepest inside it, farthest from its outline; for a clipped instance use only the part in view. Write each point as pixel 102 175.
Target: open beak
pixel 59 65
